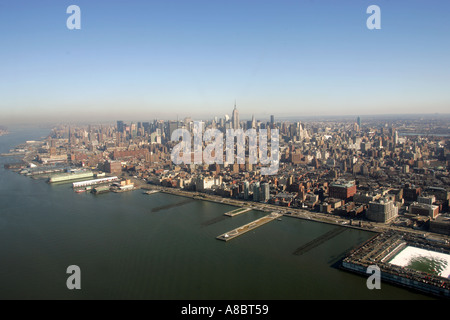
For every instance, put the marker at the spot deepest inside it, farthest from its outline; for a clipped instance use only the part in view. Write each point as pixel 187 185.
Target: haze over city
pixel 163 59
pixel 237 150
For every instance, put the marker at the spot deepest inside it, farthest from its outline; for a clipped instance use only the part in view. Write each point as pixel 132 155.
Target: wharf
pixel 237 211
pixel 94 182
pixel 382 247
pixel 151 191
pixel 66 177
pixel 248 227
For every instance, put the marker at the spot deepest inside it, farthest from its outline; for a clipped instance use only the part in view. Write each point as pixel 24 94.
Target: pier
pixel 248 227
pixel 237 211
pixel 73 175
pixel 94 182
pixel 151 191
pixel 379 250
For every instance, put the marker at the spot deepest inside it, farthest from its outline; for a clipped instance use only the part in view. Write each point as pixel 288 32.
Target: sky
pixel 176 58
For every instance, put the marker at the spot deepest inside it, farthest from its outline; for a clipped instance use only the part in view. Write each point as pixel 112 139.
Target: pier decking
pixel 248 227
pixel 237 211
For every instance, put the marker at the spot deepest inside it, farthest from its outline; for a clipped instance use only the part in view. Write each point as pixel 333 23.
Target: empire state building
pixel 235 118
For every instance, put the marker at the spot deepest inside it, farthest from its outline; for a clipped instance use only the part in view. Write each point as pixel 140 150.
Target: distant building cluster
pixel 3 131
pixel 372 170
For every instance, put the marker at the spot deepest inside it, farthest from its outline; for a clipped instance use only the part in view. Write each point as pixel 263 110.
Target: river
pixel 136 246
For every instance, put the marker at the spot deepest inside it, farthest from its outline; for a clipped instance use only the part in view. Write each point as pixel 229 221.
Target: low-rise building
pixel 424 209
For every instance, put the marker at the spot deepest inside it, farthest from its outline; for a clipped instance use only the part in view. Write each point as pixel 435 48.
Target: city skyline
pixel 161 60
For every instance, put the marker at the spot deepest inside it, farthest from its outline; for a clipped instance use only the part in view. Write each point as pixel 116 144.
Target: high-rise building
pixel 246 190
pixel 256 192
pixel 146 126
pixel 235 118
pixel 265 192
pixel 133 130
pixel 395 137
pixel 171 127
pixel 120 126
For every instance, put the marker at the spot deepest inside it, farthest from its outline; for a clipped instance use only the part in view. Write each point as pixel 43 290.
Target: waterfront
pixel 160 246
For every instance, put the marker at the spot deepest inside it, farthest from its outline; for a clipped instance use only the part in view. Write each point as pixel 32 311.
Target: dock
pixel 94 182
pixel 151 191
pixel 379 249
pixel 237 211
pixel 248 227
pixel 73 175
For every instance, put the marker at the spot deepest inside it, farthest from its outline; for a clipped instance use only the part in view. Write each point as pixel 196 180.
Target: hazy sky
pixel 149 59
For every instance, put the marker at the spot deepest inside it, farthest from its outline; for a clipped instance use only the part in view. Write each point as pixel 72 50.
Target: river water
pixel 136 246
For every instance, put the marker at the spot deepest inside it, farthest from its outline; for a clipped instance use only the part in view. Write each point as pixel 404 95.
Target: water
pixel 136 246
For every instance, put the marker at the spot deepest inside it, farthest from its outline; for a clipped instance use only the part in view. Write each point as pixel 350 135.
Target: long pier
pixel 232 213
pixel 248 227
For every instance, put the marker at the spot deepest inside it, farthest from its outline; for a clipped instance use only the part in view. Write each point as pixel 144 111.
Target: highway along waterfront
pixel 133 245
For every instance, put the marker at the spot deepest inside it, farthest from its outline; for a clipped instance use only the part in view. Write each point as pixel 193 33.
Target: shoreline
pixel 285 211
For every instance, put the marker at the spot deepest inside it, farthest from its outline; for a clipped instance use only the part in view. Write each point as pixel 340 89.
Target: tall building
pixel 256 192
pixel 235 118
pixel 171 127
pixel 146 126
pixel 133 130
pixel 246 190
pixel 265 192
pixel 120 126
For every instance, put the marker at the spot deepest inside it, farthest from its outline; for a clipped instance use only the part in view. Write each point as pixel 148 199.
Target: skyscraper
pixel 246 190
pixel 256 192
pixel 235 118
pixel 265 192
pixel 133 130
pixel 120 126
